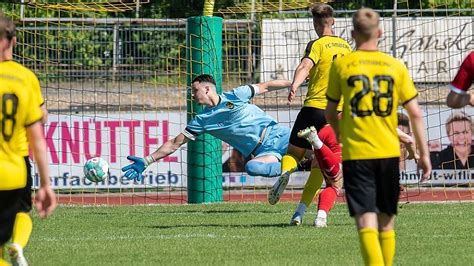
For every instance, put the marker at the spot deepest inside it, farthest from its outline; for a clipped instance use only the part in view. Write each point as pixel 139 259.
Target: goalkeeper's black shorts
pixel 372 185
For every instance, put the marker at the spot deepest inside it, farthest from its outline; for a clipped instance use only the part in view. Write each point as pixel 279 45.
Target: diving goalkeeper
pixel 230 117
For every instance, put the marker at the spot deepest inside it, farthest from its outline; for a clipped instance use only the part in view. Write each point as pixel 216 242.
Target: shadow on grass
pixel 218 211
pixel 279 225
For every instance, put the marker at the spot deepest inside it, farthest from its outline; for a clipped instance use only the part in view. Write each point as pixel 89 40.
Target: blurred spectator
pixel 407 146
pixel 459 154
pixel 235 163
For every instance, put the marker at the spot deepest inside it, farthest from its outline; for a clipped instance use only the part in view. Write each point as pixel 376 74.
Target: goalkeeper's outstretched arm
pixel 167 148
pixel 273 85
pixel 135 169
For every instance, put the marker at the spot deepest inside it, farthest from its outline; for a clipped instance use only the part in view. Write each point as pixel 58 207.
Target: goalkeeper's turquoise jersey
pixel 239 123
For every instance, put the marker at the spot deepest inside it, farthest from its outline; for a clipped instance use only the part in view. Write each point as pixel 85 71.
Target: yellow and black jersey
pixel 372 85
pixel 19 108
pixel 322 52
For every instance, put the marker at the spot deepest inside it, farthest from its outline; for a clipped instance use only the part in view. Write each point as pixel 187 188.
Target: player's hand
pixel 45 201
pixel 425 165
pixel 291 95
pixel 134 170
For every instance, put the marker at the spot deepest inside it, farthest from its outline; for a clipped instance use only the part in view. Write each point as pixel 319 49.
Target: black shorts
pixel 308 116
pixel 372 185
pixel 9 206
pixel 25 197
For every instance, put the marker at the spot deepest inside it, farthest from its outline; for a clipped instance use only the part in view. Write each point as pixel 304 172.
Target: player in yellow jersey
pixel 315 65
pixel 21 117
pixel 372 85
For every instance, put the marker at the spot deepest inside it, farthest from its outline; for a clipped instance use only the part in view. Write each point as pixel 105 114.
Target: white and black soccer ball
pixel 96 169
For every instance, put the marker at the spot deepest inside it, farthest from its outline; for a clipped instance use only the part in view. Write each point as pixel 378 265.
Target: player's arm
pixel 416 118
pixel 135 169
pixel 459 96
pixel 45 199
pixel 168 148
pixel 272 85
pixel 301 73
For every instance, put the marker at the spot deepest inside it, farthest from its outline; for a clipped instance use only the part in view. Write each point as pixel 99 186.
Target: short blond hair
pixel 366 22
pixel 322 13
pixel 458 116
pixel 7 28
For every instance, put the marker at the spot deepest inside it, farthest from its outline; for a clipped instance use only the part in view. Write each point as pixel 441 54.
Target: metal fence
pixel 121 49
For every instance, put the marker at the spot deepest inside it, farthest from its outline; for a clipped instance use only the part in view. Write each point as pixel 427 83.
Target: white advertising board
pixel 431 47
pixel 73 139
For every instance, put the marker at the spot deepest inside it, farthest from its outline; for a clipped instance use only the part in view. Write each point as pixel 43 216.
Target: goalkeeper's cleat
pixel 320 222
pixel 310 134
pixel 16 255
pixel 297 219
pixel 277 190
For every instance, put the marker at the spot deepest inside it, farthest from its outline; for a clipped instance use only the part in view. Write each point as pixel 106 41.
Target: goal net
pixel 115 84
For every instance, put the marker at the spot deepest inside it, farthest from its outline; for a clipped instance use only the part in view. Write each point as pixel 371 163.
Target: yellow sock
pixel 387 243
pixel 312 186
pixel 288 162
pixel 4 262
pixel 370 246
pixel 22 229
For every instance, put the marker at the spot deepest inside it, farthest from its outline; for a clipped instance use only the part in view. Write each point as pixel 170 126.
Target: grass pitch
pixel 241 234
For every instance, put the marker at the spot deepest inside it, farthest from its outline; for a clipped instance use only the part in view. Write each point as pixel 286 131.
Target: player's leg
pixel 296 149
pixel 326 201
pixel 387 238
pixel 23 223
pixel 267 166
pixel 388 193
pixel 361 193
pixel 9 205
pixel 327 153
pixel 311 189
pixel 269 154
pixel 289 164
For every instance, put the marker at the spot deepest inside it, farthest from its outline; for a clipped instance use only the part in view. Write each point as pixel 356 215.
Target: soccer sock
pixel 328 161
pixel 288 163
pixel 301 209
pixel 4 262
pixel 327 198
pixel 312 186
pixel 370 246
pixel 22 229
pixel 387 243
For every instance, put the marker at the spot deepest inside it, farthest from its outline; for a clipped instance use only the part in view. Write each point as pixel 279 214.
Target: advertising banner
pixel 431 47
pixel 73 139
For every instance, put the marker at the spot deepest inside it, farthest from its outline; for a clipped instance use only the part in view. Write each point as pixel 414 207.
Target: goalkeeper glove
pixel 134 170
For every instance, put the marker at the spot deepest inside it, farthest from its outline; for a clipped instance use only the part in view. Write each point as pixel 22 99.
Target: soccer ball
pixel 96 169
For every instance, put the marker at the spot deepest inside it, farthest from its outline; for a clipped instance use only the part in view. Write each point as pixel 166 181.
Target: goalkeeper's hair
pixel 7 28
pixel 204 78
pixel 322 13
